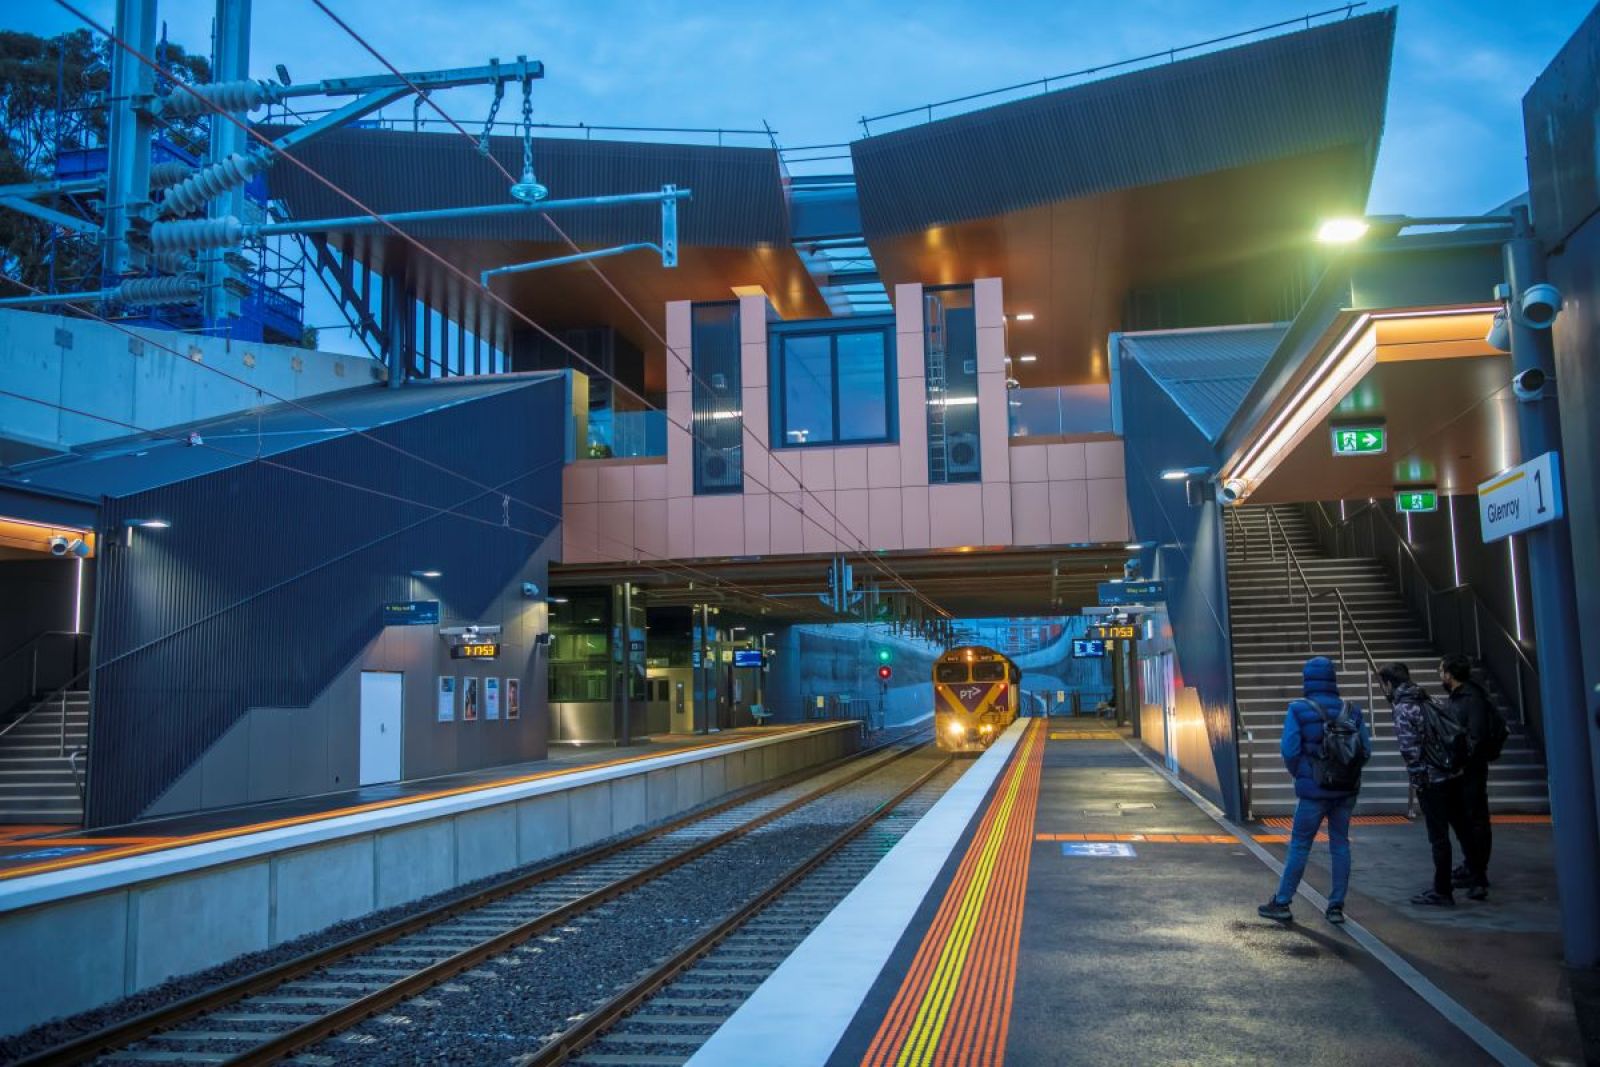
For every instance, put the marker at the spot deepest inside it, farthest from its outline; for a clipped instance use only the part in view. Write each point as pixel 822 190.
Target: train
pixel 975 697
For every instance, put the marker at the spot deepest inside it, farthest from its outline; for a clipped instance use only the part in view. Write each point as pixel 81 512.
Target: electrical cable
pixel 862 548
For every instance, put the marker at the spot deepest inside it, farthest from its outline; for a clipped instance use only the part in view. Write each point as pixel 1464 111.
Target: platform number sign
pixel 1521 498
pixel 1416 500
pixel 1360 440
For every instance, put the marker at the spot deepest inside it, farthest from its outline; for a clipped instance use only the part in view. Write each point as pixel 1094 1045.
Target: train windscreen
pixel 950 672
pixel 989 672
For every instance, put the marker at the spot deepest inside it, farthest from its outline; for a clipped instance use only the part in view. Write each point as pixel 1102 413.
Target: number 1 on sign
pixel 1538 485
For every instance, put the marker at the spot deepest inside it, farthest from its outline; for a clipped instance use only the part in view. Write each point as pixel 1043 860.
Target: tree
pixel 52 94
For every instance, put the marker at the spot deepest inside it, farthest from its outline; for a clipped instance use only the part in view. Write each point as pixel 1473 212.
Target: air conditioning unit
pixel 721 468
pixel 961 453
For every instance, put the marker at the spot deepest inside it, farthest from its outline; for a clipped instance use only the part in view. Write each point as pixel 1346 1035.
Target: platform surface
pixel 30 850
pixel 1089 911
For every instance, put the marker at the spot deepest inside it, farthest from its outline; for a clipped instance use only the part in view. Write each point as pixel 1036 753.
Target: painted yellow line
pixel 934 1011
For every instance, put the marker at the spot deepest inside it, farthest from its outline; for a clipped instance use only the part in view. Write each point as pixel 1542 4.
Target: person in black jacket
pixel 1439 788
pixel 1470 706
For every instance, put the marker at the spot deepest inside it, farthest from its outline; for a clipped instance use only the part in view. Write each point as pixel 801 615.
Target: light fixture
pixel 1023 316
pixel 1342 231
pixel 555 599
pixel 1178 474
pixel 427 574
pixel 148 524
pixel 1028 358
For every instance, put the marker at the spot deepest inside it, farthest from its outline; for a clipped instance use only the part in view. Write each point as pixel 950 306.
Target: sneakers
pixel 1432 898
pixel 1463 878
pixel 1275 911
pixel 1335 914
pixel 1479 891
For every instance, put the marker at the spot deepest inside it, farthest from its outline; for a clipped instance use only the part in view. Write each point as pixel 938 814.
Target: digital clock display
pixel 475 650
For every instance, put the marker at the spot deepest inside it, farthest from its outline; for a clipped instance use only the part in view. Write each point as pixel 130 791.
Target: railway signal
pixel 885 673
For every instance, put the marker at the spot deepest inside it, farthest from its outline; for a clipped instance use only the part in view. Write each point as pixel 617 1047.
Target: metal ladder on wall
pixel 938 389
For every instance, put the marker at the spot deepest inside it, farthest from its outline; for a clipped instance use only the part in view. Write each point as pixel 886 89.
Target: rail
pixel 17 687
pixel 1423 589
pixel 1231 516
pixel 1343 614
pixel 1169 54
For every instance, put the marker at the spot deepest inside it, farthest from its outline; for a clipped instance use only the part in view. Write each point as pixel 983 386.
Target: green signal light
pixel 883 655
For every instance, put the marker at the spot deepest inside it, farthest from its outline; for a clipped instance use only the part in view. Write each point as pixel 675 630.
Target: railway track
pixel 286 1009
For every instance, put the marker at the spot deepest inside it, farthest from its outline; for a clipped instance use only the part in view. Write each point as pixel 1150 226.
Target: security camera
pixel 1529 385
pixel 1539 305
pixel 530 589
pixel 1499 335
pixel 63 546
pixel 1230 490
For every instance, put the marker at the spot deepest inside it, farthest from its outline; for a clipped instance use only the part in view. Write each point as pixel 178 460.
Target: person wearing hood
pixel 1323 794
pixel 1440 788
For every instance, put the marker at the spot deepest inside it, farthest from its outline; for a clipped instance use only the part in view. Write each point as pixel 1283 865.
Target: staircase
pixel 1269 650
pixel 36 780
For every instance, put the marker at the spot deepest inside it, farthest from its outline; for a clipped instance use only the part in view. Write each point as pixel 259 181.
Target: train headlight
pixel 955 730
pixel 987 727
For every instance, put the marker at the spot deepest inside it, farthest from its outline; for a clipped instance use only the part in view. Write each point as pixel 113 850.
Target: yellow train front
pixel 975 697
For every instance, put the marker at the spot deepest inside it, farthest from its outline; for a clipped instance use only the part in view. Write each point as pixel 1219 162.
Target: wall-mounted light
pixel 1178 474
pixel 1342 231
pixel 427 574
pixel 556 599
pixel 1023 316
pixel 148 524
pixel 1028 358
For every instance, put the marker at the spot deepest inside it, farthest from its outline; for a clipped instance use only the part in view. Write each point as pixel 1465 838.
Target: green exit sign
pixel 1407 500
pixel 1360 440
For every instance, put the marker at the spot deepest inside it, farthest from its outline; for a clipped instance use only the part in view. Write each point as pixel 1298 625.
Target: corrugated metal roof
pixel 738 192
pixel 129 465
pixel 1206 372
pixel 1302 92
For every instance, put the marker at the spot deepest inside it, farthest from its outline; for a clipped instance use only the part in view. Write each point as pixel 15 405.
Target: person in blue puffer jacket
pixel 1302 739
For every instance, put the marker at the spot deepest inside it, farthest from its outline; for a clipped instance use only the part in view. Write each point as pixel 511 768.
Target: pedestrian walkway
pixel 1093 910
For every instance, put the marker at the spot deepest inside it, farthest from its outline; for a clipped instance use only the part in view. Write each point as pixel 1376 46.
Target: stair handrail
pixel 1404 552
pixel 1342 608
pixel 59 692
pixel 1231 515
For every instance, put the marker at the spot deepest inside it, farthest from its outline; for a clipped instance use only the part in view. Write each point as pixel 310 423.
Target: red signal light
pixel 885 673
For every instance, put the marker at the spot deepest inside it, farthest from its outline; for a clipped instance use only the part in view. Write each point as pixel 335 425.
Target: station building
pixel 952 382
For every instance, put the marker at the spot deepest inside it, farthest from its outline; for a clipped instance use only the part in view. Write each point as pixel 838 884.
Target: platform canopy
pixel 1099 203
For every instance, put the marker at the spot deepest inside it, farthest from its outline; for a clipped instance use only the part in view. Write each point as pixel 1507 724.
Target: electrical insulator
pixel 201 186
pixel 196 234
pixel 174 263
pixel 228 96
pixel 157 291
pixel 165 175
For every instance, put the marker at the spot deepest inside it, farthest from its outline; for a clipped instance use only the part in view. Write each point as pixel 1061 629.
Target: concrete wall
pixel 139 381
pixel 861 496
pixel 97 933
pixel 303 751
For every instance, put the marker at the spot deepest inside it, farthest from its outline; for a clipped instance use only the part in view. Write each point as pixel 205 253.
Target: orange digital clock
pixel 475 650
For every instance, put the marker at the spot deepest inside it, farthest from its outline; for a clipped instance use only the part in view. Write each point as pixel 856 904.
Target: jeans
pixel 1445 808
pixel 1475 798
pixel 1309 815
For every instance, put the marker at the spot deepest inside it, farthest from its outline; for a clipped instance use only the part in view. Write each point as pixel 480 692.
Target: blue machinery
pixel 154 250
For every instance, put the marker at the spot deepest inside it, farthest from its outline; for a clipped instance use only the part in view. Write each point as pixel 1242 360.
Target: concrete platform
pixel 1088 909
pixel 91 917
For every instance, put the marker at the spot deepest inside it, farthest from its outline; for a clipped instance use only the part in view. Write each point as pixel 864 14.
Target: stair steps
pixel 1268 636
pixel 36 782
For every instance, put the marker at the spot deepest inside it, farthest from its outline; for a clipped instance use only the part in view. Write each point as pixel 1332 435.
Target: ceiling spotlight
pixel 1029 358
pixel 1023 316
pixel 427 574
pixel 1342 231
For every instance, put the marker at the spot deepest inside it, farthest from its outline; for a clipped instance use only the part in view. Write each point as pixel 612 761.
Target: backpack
pixel 1489 750
pixel 1444 739
pixel 1336 765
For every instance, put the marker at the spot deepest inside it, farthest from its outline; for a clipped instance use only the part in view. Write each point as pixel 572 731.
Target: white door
pixel 380 726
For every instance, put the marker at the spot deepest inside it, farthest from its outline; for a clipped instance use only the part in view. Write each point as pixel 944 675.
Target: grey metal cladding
pixel 738 199
pixel 1298 93
pixel 271 577
pixel 1207 373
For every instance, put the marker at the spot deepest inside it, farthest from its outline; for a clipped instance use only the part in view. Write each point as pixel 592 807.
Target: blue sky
pixel 1453 142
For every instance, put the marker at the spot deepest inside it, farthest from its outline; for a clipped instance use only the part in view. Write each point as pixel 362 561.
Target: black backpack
pixel 1490 749
pixel 1444 738
pixel 1336 766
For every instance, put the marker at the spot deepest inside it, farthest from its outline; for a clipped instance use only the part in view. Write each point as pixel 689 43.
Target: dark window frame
pixel 778 378
pixel 943 668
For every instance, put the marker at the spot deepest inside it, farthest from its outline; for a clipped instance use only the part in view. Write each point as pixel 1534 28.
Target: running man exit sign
pixel 1409 500
pixel 1360 440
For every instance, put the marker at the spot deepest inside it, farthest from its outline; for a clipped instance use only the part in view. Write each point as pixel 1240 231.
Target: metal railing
pixel 19 668
pixel 1423 595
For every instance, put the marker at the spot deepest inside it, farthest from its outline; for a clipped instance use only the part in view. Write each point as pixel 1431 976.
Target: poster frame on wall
pixel 469 698
pixel 449 686
pixel 491 697
pixel 513 698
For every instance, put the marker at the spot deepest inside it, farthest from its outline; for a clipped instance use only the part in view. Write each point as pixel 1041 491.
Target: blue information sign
pixel 747 657
pixel 1088 648
pixel 411 613
pixel 1141 592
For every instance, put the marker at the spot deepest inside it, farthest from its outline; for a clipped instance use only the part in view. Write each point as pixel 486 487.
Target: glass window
pixel 950 672
pixel 833 385
pixel 992 671
pixel 718 422
pixel 808 390
pixel 950 350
